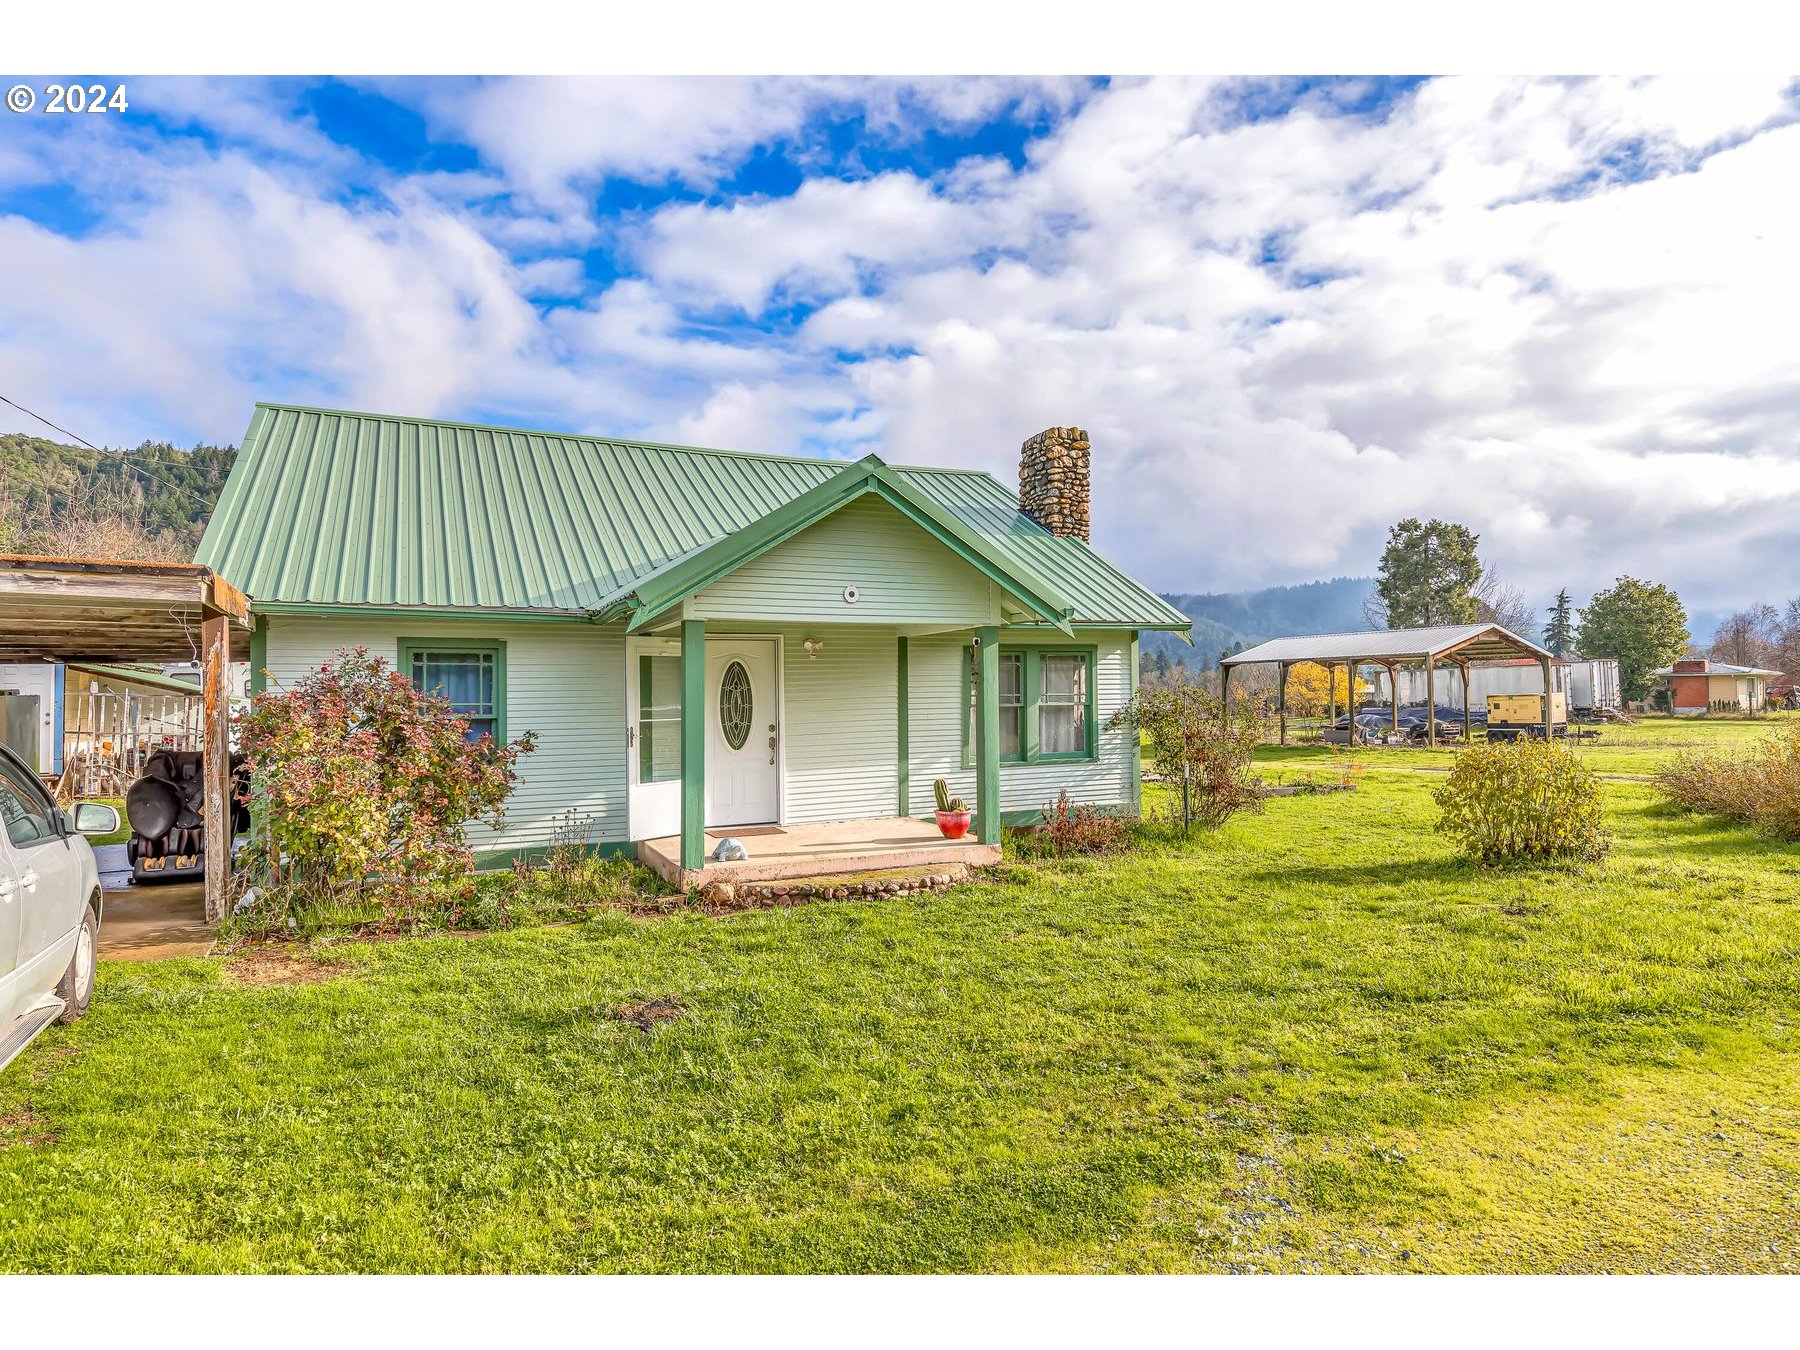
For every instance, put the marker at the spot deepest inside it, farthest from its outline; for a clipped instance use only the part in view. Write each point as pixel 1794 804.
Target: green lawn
pixel 1315 1041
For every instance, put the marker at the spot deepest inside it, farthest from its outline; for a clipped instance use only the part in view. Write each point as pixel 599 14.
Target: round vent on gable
pixel 851 595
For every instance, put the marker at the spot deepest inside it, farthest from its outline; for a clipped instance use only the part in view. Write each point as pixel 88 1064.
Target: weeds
pixel 1760 786
pixel 1069 828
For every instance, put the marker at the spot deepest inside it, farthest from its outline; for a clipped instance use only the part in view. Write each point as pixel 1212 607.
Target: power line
pixel 46 421
pixel 124 455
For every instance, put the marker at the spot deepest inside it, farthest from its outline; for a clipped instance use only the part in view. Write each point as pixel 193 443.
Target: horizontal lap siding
pixel 902 574
pixel 936 706
pixel 842 731
pixel 563 681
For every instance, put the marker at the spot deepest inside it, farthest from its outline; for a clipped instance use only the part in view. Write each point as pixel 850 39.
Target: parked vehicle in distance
pixel 1511 716
pixel 50 903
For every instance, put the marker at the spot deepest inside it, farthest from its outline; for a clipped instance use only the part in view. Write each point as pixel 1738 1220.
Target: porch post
pixel 903 762
pixel 693 744
pixel 215 759
pixel 987 735
pixel 1281 701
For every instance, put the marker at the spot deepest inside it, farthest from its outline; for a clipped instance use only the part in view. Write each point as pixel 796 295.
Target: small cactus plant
pixel 945 802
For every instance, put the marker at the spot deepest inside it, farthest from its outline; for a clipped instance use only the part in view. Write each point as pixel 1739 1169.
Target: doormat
pixel 744 831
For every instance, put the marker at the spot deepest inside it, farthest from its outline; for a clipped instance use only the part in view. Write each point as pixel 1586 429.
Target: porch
pixel 820 849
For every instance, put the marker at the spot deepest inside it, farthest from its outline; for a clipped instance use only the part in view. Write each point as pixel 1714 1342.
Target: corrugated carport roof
pixel 1466 642
pixel 82 610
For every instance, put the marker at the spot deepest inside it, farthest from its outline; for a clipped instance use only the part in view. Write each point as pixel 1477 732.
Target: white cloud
pixel 1558 310
pixel 1599 374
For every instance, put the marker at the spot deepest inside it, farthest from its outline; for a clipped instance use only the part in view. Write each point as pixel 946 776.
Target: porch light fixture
pixel 813 647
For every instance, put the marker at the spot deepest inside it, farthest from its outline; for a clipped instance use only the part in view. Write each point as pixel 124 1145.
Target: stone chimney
pixel 1053 481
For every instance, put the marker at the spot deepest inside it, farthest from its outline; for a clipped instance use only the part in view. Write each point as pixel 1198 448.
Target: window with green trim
pixel 471 675
pixel 1064 679
pixel 1046 700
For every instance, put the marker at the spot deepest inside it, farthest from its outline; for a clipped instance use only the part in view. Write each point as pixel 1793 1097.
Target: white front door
pixel 743 732
pixel 653 736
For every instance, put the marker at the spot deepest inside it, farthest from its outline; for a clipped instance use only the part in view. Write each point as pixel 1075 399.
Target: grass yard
pixel 1314 1042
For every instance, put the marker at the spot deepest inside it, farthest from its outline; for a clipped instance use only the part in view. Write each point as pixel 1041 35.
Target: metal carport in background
pixel 1451 644
pixel 79 610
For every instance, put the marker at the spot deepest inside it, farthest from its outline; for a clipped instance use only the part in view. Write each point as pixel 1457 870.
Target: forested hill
pixel 150 502
pixel 1224 619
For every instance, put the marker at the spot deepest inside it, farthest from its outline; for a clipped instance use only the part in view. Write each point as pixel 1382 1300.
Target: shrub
pixel 1200 747
pixel 1714 784
pixel 1524 800
pixel 362 783
pixel 1760 787
pixel 1069 828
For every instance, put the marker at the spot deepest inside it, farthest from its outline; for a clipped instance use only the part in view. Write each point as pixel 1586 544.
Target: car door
pixel 46 874
pixel 10 909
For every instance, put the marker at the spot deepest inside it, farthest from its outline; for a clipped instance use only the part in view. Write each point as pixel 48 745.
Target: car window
pixel 23 811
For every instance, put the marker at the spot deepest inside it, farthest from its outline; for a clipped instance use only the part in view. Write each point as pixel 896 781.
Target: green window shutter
pixel 470 673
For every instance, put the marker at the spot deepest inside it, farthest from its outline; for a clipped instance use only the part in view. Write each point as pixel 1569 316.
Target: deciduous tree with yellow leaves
pixel 1309 694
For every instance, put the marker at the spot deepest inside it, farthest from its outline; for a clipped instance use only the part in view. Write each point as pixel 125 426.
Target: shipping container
pixel 1587 684
pixel 1593 685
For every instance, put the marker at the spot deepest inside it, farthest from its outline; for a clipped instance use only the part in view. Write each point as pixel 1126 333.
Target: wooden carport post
pixel 1430 703
pixel 1393 700
pixel 1464 667
pixel 1549 699
pixel 215 758
pixel 1281 701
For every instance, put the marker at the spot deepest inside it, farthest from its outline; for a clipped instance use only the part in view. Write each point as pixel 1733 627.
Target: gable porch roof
pixel 655 595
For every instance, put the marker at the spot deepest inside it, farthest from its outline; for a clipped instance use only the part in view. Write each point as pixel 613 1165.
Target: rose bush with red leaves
pixel 361 780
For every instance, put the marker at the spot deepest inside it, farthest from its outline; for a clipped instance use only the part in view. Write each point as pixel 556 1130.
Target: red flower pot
pixel 954 824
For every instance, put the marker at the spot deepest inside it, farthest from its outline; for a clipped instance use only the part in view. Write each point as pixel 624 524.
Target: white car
pixel 50 902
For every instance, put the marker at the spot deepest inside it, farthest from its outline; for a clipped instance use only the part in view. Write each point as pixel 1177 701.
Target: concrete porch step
pixel 832 848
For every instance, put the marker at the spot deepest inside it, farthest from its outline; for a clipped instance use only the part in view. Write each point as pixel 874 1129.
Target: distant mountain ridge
pixel 166 494
pixel 1223 619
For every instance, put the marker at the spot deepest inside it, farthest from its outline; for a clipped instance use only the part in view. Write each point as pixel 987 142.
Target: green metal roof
pixel 341 508
pixel 150 679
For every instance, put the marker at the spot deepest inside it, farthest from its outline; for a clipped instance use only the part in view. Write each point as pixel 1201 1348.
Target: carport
pixel 1455 645
pixel 75 610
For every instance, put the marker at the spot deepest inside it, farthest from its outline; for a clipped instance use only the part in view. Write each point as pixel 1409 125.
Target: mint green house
pixel 702 639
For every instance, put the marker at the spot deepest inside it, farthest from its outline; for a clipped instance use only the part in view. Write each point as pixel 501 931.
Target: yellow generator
pixel 1510 716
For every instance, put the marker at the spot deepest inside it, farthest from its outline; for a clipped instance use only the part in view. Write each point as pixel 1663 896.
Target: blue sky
pixel 1288 310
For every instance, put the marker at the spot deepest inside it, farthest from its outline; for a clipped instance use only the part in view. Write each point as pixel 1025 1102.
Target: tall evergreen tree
pixel 1429 572
pixel 1559 633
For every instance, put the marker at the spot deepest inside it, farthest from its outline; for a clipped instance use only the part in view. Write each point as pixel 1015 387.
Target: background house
pixel 1696 685
pixel 702 638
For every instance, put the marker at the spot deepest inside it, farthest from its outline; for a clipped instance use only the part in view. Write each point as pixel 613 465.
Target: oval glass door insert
pixel 736 705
